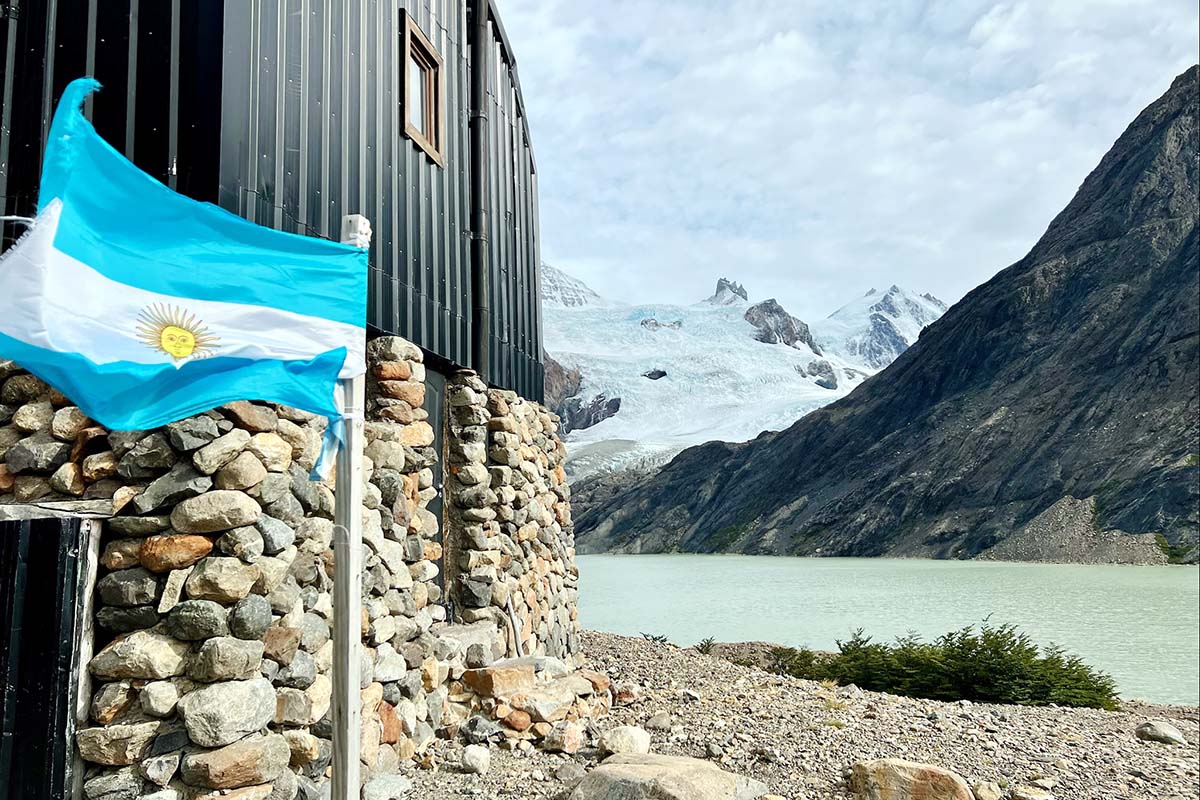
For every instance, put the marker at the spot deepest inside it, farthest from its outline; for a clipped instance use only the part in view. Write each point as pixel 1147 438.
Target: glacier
pixel 720 381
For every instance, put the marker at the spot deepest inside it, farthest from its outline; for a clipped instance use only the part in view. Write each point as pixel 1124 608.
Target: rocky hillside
pixel 1073 373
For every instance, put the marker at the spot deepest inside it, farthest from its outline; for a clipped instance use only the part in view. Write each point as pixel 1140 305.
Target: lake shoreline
pixel 981 558
pixel 1140 625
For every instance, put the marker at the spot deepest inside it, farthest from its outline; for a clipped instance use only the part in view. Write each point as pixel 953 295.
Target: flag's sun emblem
pixel 175 332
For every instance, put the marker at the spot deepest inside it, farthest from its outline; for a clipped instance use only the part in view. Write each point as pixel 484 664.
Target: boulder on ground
pixel 987 790
pixel 476 758
pixel 895 779
pixel 386 787
pixel 1159 731
pixel 566 737
pixel 631 776
pixel 625 739
pixel 1030 793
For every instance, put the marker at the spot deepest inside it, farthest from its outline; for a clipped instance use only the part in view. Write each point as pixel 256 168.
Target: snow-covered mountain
pixel 560 290
pixel 728 293
pixel 877 327
pixel 641 382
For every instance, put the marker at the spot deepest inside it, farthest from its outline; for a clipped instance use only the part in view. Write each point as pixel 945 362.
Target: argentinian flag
pixel 143 306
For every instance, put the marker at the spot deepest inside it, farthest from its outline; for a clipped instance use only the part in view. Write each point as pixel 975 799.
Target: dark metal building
pixel 293 113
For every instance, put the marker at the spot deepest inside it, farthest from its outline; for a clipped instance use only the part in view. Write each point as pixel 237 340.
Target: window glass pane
pixel 418 99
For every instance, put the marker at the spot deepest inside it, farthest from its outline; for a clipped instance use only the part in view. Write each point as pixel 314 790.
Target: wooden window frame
pixel 417 47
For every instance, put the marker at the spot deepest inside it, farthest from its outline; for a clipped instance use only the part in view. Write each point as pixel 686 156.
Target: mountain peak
pixel 935 301
pixel 877 327
pixel 562 290
pixel 776 326
pixel 727 293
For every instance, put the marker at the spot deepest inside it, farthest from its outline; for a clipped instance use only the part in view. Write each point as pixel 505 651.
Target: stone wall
pixel 510 519
pixel 213 608
pixel 213 599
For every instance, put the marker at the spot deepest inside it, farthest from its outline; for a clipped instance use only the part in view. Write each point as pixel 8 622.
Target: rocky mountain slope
pixel 1073 373
pixel 635 384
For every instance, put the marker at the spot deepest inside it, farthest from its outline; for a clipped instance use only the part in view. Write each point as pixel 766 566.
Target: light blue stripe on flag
pixel 133 229
pixel 144 306
pixel 128 397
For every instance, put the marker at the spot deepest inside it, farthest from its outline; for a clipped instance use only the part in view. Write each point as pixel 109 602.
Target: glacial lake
pixel 1139 624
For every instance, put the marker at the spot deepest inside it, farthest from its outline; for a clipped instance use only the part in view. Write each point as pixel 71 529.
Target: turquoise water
pixel 1139 624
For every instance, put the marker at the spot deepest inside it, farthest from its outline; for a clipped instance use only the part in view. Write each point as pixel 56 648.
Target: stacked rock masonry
pixel 213 599
pixel 511 519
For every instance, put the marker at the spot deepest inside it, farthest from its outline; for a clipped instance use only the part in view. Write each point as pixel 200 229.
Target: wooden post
pixel 89 560
pixel 348 560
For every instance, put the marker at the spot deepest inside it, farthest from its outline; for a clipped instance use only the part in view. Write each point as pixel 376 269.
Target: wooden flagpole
pixel 348 560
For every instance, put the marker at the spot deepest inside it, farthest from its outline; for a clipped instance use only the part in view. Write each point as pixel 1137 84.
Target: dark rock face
pixel 884 343
pixel 561 382
pixel 823 374
pixel 776 326
pixel 1074 373
pixel 654 374
pixel 574 413
pixel 728 292
pixel 577 414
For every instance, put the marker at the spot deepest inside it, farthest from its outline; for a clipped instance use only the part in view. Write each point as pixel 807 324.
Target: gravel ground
pixel 798 736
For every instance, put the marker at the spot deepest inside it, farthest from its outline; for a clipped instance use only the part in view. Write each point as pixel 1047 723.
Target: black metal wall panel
pixel 159 62
pixel 287 112
pixel 312 129
pixel 514 252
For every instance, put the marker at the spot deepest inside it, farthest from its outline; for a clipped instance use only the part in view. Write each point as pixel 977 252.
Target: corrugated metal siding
pixel 147 54
pixel 516 347
pixel 288 113
pixel 312 130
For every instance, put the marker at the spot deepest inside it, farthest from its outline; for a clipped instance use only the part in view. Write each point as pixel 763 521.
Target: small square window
pixel 424 103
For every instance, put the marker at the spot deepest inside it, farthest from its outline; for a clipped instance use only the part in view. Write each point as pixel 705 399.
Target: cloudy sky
pixel 813 150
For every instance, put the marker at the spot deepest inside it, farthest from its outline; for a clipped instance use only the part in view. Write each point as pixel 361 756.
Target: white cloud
pixel 813 150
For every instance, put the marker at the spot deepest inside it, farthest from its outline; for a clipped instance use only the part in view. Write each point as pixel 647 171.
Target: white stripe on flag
pixel 69 307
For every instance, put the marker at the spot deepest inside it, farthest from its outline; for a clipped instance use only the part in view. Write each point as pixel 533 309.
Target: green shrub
pixel 997 664
pixel 657 638
pixel 705 646
pixel 1175 553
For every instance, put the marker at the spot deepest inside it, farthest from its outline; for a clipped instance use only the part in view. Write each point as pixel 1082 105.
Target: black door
pixel 39 566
